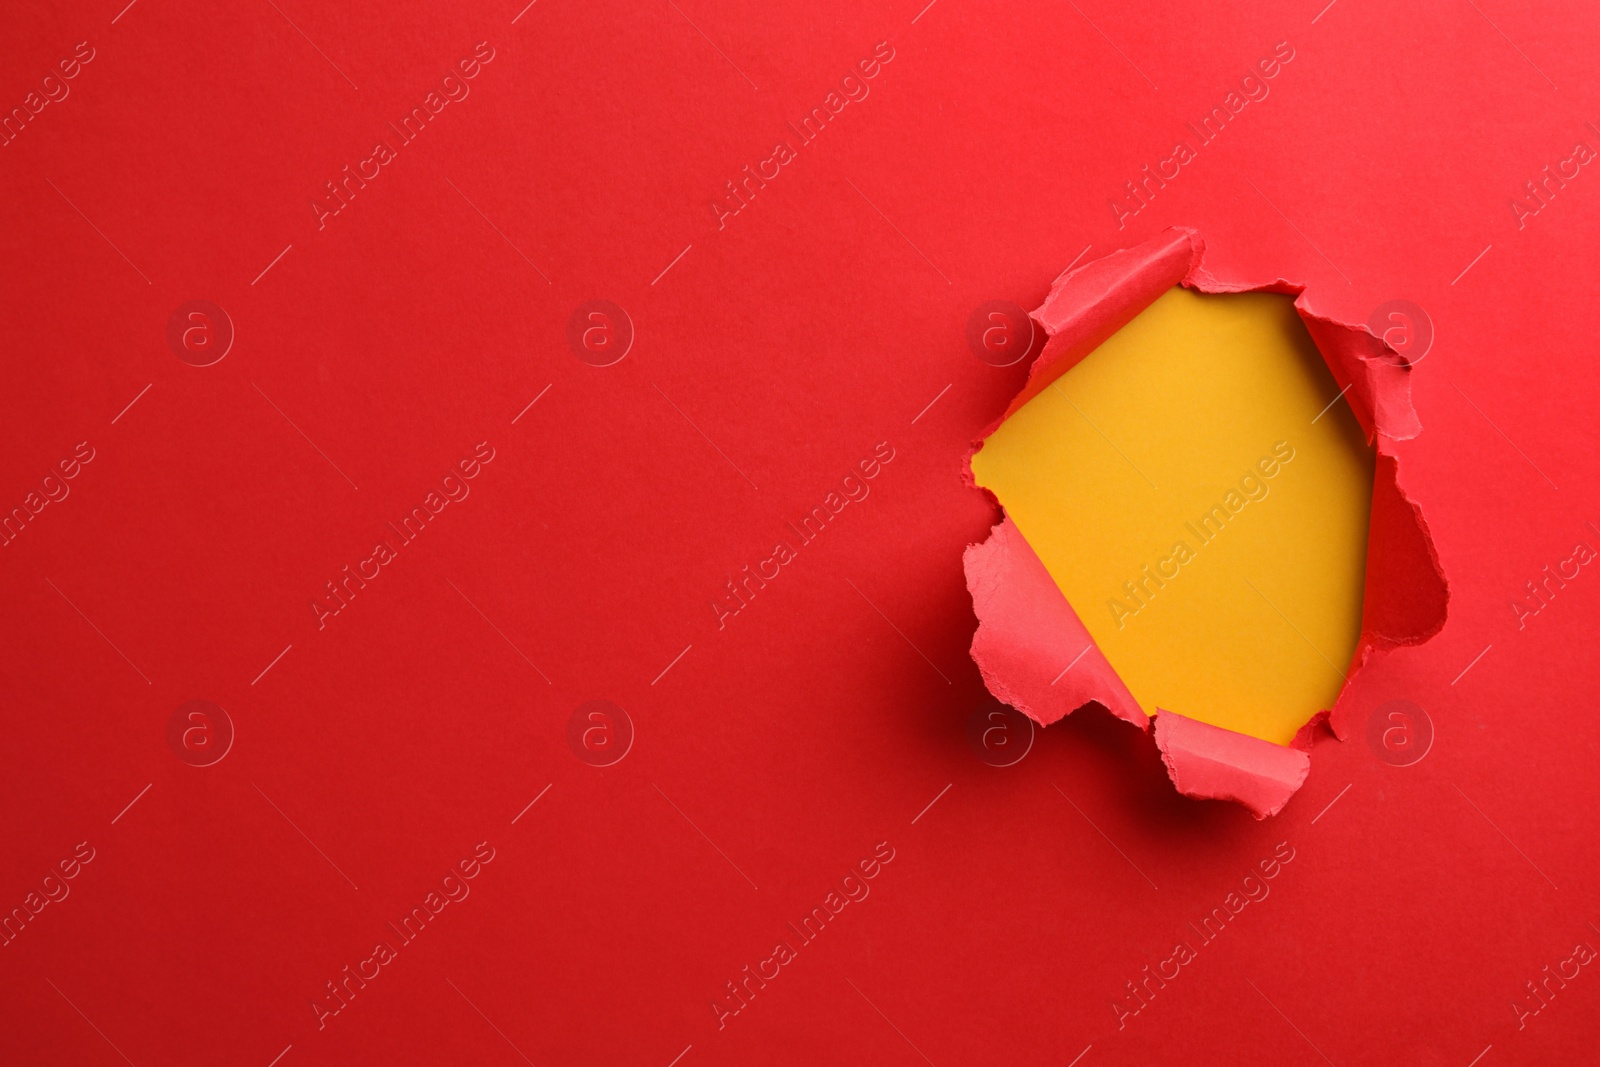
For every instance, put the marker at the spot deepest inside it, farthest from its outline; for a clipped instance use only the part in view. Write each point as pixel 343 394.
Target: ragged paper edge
pixel 1034 652
pixel 1210 762
pixel 1030 646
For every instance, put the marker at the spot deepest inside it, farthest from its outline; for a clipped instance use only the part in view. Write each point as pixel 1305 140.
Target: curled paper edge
pixel 1032 649
pixel 1208 761
pixel 1030 646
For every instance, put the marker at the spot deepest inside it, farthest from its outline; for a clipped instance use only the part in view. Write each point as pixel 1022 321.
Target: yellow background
pixel 1103 469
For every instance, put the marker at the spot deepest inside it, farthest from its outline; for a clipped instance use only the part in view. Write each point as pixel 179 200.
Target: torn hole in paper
pixel 1196 530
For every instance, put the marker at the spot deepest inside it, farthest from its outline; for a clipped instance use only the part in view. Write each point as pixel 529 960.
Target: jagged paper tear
pixel 1035 653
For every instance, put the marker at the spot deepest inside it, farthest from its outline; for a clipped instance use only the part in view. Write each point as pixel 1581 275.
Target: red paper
pixel 555 611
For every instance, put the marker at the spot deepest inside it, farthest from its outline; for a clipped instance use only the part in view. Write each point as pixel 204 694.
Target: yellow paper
pixel 1206 523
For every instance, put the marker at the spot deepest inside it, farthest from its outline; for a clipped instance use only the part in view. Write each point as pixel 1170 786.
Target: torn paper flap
pixel 1209 762
pixel 1030 646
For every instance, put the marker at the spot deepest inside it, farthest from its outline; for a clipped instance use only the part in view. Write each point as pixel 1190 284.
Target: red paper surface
pixel 763 762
